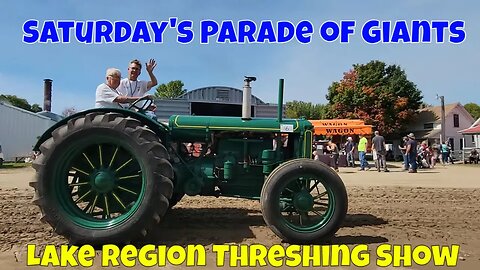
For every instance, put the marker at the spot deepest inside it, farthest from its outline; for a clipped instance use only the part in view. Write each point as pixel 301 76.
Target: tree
pixel 69 111
pixel 473 109
pixel 21 103
pixel 379 94
pixel 36 108
pixel 170 90
pixel 297 109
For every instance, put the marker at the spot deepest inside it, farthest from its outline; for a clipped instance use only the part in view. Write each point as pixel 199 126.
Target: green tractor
pixel 110 175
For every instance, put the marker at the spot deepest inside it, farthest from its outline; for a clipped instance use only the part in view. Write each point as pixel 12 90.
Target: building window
pixel 222 95
pixel 428 126
pixel 456 121
pixel 461 143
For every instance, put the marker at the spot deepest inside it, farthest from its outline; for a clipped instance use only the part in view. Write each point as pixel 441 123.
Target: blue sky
pixel 308 69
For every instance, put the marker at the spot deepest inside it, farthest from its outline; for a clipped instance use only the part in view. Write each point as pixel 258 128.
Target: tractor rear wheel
pixel 103 178
pixel 304 201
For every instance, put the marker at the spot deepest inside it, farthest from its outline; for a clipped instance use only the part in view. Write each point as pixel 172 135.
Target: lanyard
pixel 132 90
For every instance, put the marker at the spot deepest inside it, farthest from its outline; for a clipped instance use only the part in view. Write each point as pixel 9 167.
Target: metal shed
pixel 19 130
pixel 213 101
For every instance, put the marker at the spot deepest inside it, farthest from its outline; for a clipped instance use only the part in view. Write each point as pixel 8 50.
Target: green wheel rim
pixel 306 204
pixel 99 183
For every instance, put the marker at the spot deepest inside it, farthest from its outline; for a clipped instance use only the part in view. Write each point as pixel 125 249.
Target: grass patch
pixel 15 165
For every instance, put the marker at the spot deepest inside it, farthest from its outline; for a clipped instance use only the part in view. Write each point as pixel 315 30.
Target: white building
pixel 20 130
pixel 428 124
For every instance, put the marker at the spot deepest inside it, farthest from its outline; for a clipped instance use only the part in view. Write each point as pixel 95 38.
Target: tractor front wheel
pixel 304 201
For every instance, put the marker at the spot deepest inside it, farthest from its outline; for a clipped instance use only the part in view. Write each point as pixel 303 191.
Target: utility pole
pixel 442 102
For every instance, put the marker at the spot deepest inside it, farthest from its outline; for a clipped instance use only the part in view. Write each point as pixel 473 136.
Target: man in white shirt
pixel 107 95
pixel 131 86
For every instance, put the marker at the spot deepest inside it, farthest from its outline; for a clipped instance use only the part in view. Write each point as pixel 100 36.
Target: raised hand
pixel 150 66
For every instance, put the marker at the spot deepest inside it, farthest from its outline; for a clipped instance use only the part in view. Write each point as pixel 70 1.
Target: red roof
pixel 472 130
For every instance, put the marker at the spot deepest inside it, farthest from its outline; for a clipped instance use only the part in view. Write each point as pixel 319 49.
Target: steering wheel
pixel 144 106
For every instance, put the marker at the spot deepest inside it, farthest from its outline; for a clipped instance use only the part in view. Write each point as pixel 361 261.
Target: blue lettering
pixel 123 30
pixel 456 28
pixel 227 32
pixel 347 29
pixel 304 28
pixel 266 32
pixel 246 30
pixel 440 27
pixel 371 35
pixel 207 28
pixel 285 30
pixel 400 32
pixel 333 27
pixel 49 32
pixel 84 36
pixel 386 31
pixel 158 30
pixel 185 31
pixel 103 29
pixel 65 26
pixel 141 32
pixel 424 26
pixel 30 32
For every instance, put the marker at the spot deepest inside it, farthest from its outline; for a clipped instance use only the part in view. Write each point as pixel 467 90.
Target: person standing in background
pixel 412 153
pixel 349 150
pixel 378 145
pixel 335 152
pixel 362 149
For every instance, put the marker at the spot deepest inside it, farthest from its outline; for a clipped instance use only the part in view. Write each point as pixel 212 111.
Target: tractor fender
pixel 159 128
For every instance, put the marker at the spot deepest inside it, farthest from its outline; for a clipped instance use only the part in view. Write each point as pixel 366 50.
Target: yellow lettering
pixel 128 255
pixel 201 256
pixel 402 253
pixel 220 251
pixel 384 257
pixel 275 255
pixel 345 255
pixel 325 256
pixel 293 255
pixel 67 255
pixel 360 256
pixel 50 256
pixel 258 253
pixel 176 255
pixel 85 255
pixel 445 256
pixel 162 255
pixel 31 259
pixel 311 255
pixel 424 258
pixel 110 254
pixel 237 255
pixel 146 257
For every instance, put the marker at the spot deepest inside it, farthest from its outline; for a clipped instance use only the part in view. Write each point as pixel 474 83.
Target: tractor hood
pixel 181 125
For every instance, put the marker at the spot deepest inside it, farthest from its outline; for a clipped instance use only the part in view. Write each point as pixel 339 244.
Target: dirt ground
pixel 438 206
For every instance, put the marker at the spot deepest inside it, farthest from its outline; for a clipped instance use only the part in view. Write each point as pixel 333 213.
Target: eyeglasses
pixel 115 76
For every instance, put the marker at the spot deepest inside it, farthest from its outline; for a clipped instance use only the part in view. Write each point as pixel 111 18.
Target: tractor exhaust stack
pixel 247 98
pixel 47 95
pixel 280 100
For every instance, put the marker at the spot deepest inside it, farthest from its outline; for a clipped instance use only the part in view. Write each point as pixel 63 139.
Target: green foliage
pixel 379 94
pixel 36 108
pixel 473 109
pixel 170 90
pixel 297 109
pixel 20 103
